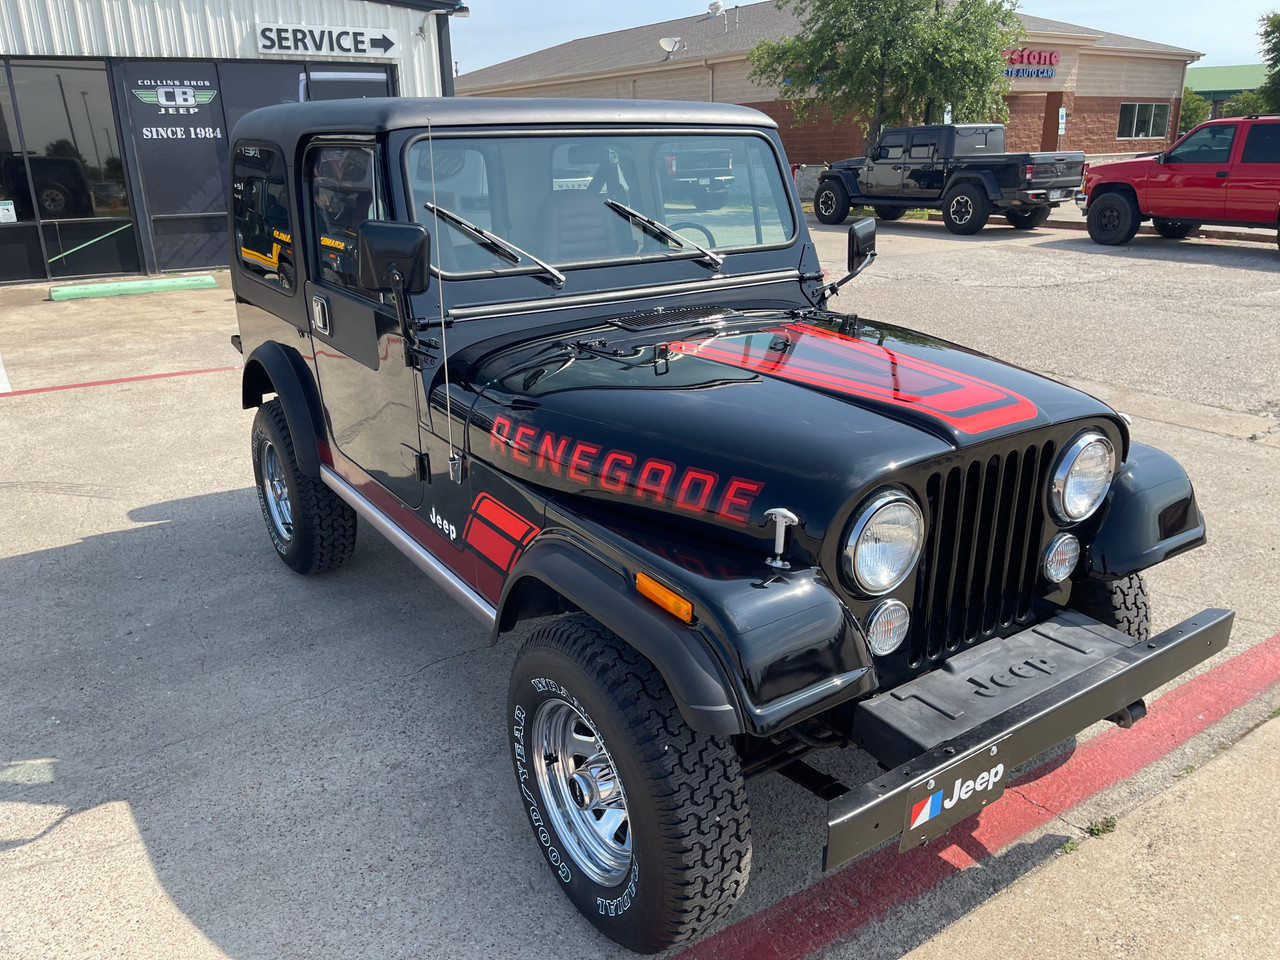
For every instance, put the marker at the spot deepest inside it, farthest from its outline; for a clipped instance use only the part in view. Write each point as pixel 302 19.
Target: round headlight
pixel 1083 475
pixel 885 542
pixel 887 626
pixel 1061 557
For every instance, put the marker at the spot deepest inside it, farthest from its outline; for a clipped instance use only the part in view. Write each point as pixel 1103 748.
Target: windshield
pixel 547 195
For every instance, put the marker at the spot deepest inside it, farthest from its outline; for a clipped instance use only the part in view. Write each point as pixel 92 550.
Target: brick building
pixel 1122 95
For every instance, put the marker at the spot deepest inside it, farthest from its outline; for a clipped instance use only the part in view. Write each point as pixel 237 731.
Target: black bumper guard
pixel 1116 673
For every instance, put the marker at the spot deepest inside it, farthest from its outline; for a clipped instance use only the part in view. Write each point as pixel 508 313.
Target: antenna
pixel 671 45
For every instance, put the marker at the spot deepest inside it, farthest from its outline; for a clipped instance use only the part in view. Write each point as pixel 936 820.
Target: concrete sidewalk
pixel 1192 872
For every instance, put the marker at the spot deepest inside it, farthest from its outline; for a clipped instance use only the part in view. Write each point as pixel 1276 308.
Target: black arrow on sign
pixel 383 43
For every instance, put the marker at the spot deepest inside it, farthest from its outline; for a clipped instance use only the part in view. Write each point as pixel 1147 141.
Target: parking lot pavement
pixel 202 754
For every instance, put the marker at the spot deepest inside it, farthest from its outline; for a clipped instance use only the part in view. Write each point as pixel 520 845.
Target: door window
pixel 1206 145
pixel 924 147
pixel 891 147
pixel 343 190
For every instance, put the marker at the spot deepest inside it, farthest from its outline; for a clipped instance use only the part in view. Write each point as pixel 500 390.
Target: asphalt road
pixel 204 755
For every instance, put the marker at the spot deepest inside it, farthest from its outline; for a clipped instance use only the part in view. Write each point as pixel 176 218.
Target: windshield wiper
pixel 661 231
pixel 505 249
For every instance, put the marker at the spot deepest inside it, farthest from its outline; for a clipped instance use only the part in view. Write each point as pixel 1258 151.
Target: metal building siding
pixel 191 29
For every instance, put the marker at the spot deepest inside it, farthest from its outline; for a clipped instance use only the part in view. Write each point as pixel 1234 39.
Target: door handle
pixel 1222 173
pixel 897 166
pixel 320 314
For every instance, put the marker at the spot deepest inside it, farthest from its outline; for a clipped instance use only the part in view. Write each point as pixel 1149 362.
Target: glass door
pixel 69 179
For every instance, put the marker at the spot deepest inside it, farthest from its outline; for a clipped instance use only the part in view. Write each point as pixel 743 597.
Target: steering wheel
pixel 684 225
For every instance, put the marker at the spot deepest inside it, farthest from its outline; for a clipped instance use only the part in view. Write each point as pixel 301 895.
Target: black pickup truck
pixel 961 169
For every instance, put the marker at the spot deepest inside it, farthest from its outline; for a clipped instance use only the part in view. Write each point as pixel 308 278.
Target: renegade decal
pixel 815 357
pixel 690 489
pixel 497 533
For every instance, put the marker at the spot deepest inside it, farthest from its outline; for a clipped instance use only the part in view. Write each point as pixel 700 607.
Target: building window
pixel 1143 121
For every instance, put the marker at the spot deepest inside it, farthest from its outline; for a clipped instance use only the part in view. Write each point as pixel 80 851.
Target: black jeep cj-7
pixel 758 528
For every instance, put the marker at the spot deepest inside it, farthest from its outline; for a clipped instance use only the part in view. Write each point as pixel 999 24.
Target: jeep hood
pixel 721 422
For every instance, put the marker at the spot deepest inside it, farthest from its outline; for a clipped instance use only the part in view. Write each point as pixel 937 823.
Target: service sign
pixel 300 39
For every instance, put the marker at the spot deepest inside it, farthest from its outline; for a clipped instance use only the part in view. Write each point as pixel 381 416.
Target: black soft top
pixel 286 123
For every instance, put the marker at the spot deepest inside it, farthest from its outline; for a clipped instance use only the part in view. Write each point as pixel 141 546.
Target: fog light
pixel 887 626
pixel 1061 557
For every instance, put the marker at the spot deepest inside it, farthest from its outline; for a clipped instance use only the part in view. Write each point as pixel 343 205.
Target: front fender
pixel 601 589
pixel 1151 515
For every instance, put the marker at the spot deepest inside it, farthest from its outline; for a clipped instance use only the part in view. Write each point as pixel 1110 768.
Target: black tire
pixel 684 806
pixel 889 213
pixel 1172 230
pixel 717 199
pixel 1113 219
pixel 312 529
pixel 831 202
pixel 1027 218
pixel 700 197
pixel 1123 604
pixel 54 200
pixel 966 209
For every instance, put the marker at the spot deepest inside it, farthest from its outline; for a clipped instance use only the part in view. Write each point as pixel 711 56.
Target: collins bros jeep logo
pixel 176 97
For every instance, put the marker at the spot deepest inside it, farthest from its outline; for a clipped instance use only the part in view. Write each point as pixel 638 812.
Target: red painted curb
pixel 104 383
pixel 836 906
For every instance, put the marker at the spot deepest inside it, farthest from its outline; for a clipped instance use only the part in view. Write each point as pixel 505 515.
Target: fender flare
pixel 271 369
pixel 983 178
pixel 1116 186
pixel 692 674
pixel 850 182
pixel 1151 515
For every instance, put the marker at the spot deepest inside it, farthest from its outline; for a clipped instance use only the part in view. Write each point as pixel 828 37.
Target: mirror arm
pixel 831 289
pixel 402 314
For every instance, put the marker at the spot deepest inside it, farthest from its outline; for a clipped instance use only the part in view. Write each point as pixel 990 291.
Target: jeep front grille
pixel 979 568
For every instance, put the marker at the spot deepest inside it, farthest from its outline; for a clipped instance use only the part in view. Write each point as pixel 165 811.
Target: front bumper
pixel 1074 672
pixel 1082 200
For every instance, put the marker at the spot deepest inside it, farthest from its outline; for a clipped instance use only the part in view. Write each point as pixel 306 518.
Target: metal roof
pixel 1228 80
pixel 703 37
pixel 287 123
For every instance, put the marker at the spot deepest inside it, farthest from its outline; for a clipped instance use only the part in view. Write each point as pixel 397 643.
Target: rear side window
pixel 264 228
pixel 1262 144
pixel 978 141
pixel 924 148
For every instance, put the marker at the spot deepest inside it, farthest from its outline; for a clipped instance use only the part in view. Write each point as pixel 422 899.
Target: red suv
pixel 1224 171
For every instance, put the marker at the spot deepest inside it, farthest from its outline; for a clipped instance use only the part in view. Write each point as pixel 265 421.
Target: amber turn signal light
pixel 667 599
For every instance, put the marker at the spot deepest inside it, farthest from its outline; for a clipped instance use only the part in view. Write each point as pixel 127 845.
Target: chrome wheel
pixel 276 492
pixel 585 800
pixel 961 209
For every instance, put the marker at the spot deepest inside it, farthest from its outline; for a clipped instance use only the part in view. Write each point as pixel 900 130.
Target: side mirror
pixel 391 254
pixel 1162 158
pixel 862 244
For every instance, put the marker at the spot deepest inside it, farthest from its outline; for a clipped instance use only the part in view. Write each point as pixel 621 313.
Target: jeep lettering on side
pixel 515 342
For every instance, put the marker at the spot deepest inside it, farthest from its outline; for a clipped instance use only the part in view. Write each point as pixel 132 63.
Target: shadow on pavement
pixel 269 765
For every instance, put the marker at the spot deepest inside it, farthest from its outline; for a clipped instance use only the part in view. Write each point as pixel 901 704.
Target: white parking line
pixel 5 386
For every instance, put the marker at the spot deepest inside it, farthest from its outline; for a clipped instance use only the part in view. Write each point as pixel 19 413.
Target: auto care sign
pixel 300 39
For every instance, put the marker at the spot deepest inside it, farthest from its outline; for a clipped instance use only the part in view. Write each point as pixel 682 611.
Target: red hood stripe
pixel 831 361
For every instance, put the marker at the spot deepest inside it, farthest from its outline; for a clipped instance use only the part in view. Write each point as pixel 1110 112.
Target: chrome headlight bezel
pixel 1062 476
pixel 877 502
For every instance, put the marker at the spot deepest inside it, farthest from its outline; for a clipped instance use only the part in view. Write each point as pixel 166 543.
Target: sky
pixel 500 30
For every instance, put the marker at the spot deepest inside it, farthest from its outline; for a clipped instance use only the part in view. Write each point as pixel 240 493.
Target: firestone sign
pixel 1031 63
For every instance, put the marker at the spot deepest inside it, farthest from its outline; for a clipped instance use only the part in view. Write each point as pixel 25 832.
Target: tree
pixel 893 61
pixel 1246 103
pixel 1270 37
pixel 1195 109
